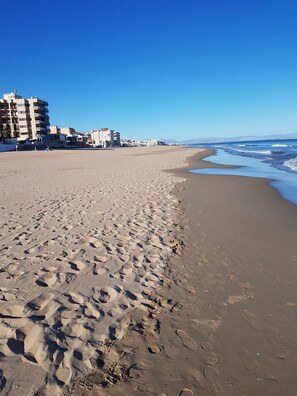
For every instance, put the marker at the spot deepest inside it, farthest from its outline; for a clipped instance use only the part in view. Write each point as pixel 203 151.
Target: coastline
pixel 217 317
pixel 230 326
pixel 283 181
pixel 241 238
pixel 247 233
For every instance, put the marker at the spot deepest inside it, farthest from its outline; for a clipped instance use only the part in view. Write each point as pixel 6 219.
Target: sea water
pixel 275 160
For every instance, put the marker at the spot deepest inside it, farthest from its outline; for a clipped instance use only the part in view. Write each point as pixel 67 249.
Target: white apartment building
pixel 104 137
pixel 142 143
pixel 116 139
pixel 23 118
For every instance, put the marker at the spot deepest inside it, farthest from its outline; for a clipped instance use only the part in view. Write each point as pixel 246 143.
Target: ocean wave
pixel 291 163
pixel 277 152
pixel 279 145
pixel 260 152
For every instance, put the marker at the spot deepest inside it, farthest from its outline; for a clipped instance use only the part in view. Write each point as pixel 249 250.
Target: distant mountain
pixel 233 139
pixel 172 141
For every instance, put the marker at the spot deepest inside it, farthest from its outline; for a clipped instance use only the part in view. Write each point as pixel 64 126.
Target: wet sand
pixel 245 236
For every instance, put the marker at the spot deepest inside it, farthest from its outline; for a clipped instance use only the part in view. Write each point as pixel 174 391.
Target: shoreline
pixel 274 182
pixel 243 232
pixel 220 320
pixel 229 328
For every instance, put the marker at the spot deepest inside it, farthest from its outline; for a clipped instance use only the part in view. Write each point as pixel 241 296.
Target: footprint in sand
pixel 187 341
pixel 206 325
pixel 249 317
pixel 96 244
pixel 186 392
pixel 98 270
pixel 47 280
pixel 40 301
pixel 75 298
pixel 67 277
pixel 90 311
pixel 74 329
pixel 105 295
pixel 126 270
pixel 13 270
pixel 12 311
pixel 76 265
pixel 63 374
pixel 117 310
pixel 8 295
pixel 101 259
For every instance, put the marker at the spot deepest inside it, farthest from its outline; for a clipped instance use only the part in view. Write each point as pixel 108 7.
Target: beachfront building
pixel 72 138
pixel 23 119
pixel 142 143
pixel 105 137
pixel 82 139
pixel 54 140
pixel 89 141
pixel 54 129
pixel 68 131
pixel 116 139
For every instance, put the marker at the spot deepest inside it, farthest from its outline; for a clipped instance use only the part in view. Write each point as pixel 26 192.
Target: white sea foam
pixel 265 152
pixel 260 152
pixel 279 145
pixel 291 163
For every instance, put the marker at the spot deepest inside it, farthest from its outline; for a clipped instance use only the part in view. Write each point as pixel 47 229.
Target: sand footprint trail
pixel 90 250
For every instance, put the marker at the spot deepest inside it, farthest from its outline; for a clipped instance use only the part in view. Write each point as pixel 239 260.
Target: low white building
pixel 142 143
pixel 105 137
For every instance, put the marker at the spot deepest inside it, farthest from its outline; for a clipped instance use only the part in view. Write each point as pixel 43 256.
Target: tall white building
pixel 23 118
pixel 116 139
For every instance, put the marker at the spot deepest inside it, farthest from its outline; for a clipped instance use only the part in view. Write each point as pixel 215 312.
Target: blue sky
pixel 156 68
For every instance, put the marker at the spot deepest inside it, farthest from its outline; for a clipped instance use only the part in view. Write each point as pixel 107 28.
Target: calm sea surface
pixel 271 159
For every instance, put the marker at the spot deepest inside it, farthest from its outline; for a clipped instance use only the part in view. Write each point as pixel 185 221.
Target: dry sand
pixel 85 239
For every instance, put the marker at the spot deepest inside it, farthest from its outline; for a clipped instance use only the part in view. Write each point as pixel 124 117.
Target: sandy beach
pixel 120 278
pixel 231 327
pixel 85 238
pixel 244 236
